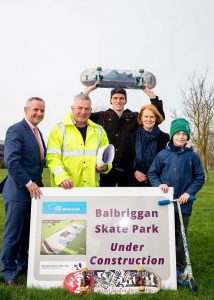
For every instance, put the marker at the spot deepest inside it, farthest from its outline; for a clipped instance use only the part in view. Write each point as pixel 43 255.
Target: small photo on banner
pixel 63 237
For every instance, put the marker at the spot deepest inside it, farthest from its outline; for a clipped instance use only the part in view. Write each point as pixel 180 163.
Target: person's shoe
pixel 12 282
pixel 182 278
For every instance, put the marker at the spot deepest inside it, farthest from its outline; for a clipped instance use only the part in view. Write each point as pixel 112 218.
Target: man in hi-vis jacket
pixel 72 148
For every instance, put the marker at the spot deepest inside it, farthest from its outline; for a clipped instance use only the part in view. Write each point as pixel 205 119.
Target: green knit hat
pixel 179 125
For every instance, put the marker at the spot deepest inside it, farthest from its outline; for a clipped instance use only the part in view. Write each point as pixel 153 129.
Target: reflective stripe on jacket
pixel 69 158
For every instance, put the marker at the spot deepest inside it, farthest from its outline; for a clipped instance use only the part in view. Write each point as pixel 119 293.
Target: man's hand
pixel 101 169
pixel 66 184
pixel 34 190
pixel 164 187
pixel 183 198
pixel 89 89
pixel 149 92
pixel 140 176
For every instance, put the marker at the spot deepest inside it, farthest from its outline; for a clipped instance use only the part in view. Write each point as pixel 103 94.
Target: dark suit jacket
pixel 23 161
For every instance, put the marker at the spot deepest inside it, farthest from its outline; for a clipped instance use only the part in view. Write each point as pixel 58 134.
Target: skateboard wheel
pixel 141 288
pixel 141 71
pixel 84 270
pixel 85 290
pixel 140 269
pixel 99 69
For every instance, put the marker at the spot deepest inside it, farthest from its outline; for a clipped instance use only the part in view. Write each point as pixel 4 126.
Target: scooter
pixel 188 269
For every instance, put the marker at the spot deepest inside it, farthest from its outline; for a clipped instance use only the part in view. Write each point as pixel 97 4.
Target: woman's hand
pixel 140 176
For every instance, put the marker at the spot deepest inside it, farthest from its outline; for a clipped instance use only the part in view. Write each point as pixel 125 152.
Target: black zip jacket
pixel 119 128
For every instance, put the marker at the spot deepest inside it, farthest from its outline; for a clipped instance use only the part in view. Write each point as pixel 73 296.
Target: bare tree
pixel 2 154
pixel 210 152
pixel 175 114
pixel 198 107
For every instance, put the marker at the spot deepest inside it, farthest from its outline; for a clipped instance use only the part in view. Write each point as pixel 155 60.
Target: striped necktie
pixel 36 133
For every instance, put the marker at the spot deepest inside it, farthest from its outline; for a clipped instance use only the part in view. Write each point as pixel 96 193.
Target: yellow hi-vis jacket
pixel 69 158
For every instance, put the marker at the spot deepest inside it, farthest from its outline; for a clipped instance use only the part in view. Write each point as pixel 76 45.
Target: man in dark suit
pixel 24 158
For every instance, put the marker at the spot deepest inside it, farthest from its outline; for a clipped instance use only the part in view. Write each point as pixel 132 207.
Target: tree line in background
pixel 198 108
pixel 1 154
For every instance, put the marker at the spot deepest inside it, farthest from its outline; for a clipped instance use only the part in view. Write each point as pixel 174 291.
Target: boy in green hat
pixel 178 166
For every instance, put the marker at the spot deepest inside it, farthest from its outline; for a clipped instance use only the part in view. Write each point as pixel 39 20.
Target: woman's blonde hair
pixel 159 118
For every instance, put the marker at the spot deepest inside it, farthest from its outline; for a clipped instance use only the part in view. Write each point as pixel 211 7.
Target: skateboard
pixel 112 282
pixel 110 78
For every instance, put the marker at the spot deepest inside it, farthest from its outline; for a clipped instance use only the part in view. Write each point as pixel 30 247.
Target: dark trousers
pixel 114 178
pixel 180 255
pixel 15 240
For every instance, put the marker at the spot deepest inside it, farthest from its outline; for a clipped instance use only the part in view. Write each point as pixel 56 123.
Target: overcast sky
pixel 46 44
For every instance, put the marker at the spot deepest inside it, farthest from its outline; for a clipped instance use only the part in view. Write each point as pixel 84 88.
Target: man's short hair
pixel 81 96
pixel 28 102
pixel 118 91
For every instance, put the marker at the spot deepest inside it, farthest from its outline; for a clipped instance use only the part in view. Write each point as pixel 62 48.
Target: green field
pixel 201 245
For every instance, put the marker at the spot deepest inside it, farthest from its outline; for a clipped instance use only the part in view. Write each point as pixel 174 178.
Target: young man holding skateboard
pixel 119 123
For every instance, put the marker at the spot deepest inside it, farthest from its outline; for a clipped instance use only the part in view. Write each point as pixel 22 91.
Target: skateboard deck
pixel 112 282
pixel 110 78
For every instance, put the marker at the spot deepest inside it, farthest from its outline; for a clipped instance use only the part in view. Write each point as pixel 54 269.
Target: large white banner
pixel 101 228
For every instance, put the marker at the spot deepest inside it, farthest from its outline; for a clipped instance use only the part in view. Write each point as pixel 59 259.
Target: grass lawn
pixel 201 245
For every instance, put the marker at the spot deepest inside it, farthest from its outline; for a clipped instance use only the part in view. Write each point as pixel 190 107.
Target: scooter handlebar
pixel 166 201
